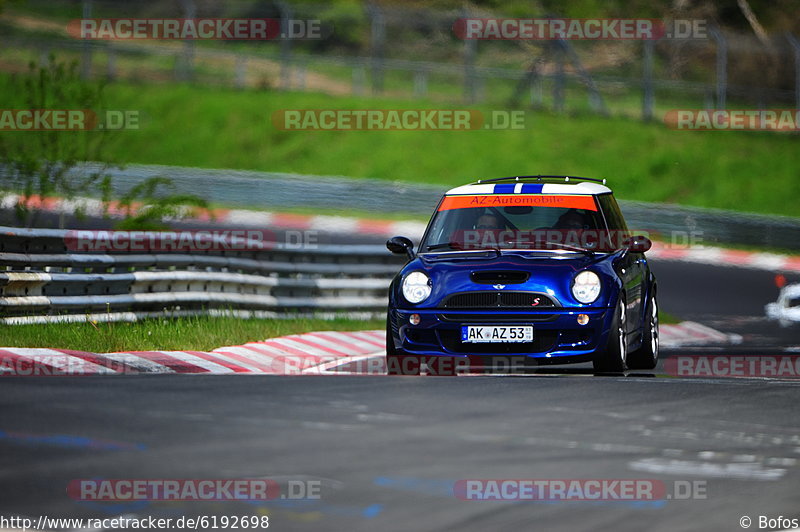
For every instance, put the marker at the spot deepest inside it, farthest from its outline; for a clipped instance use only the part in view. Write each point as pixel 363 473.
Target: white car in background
pixel 787 308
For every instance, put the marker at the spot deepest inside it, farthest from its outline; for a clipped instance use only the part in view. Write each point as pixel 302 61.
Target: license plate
pixel 476 334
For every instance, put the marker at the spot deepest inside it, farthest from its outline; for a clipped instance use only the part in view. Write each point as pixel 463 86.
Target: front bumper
pixel 557 336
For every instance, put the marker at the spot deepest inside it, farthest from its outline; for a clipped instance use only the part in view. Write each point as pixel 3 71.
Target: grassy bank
pixel 219 128
pixel 191 334
pixel 223 128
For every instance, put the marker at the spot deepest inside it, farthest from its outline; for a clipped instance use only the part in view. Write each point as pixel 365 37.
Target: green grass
pixel 666 318
pixel 186 334
pixel 192 334
pixel 219 128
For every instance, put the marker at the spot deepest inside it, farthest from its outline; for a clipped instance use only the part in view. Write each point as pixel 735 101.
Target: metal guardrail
pixel 42 280
pixel 280 190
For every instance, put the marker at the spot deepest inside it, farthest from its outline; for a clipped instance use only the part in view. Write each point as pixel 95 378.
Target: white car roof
pixel 526 187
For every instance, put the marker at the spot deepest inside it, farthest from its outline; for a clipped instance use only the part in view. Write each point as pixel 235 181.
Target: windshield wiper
pixel 571 248
pixel 442 245
pixel 456 246
pixel 559 244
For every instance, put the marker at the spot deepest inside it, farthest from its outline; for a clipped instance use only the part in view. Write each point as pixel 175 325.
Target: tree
pixel 47 163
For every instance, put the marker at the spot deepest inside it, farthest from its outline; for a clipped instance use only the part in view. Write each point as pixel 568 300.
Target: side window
pixel 614 218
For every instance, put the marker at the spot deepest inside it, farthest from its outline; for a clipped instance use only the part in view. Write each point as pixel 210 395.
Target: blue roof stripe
pixel 532 188
pixel 504 189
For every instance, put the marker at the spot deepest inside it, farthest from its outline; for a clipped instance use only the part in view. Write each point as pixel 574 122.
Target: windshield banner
pixel 569 201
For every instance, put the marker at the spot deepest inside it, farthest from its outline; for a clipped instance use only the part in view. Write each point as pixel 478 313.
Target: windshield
pixel 536 221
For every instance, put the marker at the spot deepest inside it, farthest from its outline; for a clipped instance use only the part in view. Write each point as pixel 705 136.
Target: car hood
pixel 548 273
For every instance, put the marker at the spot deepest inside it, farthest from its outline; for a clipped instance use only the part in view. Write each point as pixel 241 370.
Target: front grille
pixel 495 318
pixel 498 300
pixel 543 341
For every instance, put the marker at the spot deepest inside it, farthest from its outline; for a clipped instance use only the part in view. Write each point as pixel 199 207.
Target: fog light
pixel 583 319
pixel 413 319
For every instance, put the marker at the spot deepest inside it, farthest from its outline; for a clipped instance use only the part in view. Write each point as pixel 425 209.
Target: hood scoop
pixel 499 277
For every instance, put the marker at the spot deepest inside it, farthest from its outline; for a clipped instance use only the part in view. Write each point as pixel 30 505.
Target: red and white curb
pixel 321 353
pixel 305 353
pixel 238 217
pixel 726 257
pixel 287 355
pixel 694 334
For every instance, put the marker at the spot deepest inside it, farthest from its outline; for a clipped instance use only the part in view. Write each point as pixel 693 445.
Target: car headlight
pixel 586 286
pixel 416 287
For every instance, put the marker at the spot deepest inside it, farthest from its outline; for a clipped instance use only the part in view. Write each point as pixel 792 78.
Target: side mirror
pixel 399 245
pixel 639 244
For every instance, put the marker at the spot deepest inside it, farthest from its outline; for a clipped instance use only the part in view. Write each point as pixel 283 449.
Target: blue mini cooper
pixel 522 271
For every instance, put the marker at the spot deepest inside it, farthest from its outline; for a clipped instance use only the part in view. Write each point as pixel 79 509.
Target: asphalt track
pixel 388 451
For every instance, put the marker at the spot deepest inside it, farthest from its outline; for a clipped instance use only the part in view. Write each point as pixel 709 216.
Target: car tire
pixel 612 357
pixel 646 357
pixel 398 363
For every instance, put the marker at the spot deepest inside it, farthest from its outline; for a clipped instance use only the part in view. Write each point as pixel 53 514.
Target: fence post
pixel 708 98
pixel 359 80
pixel 241 71
pixel 796 49
pixel 647 80
pixel 420 83
pixel 286 46
pixel 377 41
pixel 536 92
pixel 558 81
pixel 722 66
pixel 470 50
pixel 185 61
pixel 86 51
pixel 111 64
